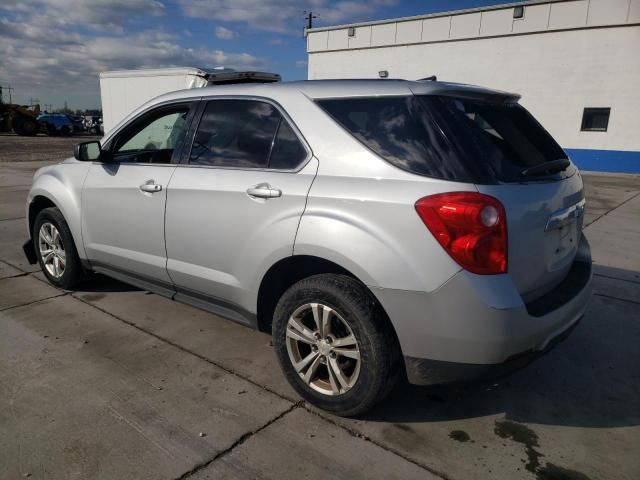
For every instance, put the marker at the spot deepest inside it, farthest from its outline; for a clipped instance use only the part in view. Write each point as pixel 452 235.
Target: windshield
pixel 447 137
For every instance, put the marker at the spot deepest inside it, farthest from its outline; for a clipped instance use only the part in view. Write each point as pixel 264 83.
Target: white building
pixel 576 64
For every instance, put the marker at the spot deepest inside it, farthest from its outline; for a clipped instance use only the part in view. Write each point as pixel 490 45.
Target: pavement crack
pixel 611 297
pixel 13 265
pixel 616 278
pixel 352 432
pixel 612 210
pixel 183 349
pixel 240 441
pixel 18 275
pixel 12 307
pixel 355 433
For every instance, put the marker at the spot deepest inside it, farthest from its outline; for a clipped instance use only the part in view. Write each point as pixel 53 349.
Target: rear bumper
pixel 421 371
pixel 477 326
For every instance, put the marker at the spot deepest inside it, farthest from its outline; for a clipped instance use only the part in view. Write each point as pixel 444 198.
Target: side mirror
pixel 87 151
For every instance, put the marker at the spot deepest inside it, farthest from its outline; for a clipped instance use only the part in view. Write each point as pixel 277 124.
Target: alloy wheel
pixel 52 250
pixel 322 349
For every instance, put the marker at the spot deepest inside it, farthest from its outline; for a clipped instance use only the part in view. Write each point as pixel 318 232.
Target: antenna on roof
pixel 432 78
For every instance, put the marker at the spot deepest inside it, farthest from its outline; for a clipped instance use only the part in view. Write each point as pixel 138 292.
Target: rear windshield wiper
pixel 554 166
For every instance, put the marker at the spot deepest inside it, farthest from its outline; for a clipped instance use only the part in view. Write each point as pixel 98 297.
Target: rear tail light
pixel 470 226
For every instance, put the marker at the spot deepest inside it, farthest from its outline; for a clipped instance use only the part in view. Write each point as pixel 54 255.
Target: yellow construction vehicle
pixel 22 119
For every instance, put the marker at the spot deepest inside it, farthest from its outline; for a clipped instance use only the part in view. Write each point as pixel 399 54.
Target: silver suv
pixel 378 228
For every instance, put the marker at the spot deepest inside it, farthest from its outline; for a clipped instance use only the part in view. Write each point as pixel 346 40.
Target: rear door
pixel 123 198
pixel 234 204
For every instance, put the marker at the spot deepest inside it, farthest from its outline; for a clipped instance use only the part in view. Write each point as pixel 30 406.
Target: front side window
pixel 154 138
pixel 245 134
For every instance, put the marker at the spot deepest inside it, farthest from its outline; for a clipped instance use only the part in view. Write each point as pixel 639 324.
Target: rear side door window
pixel 249 134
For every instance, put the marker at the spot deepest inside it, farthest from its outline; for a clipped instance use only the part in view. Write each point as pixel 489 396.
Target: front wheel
pixel 56 250
pixel 335 345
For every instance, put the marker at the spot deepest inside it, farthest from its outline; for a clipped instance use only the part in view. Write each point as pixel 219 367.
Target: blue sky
pixel 53 50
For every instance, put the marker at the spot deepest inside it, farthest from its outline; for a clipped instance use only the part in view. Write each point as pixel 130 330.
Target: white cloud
pixel 284 16
pixel 41 54
pixel 225 34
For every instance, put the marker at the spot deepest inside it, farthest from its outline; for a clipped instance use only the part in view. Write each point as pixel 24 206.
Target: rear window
pixel 451 138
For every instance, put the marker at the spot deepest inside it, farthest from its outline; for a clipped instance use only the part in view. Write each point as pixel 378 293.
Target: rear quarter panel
pixel 360 211
pixel 369 226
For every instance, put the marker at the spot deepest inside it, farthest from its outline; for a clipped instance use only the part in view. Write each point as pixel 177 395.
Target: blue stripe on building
pixel 605 160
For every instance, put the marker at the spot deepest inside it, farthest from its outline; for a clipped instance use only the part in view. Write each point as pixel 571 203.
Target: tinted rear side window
pixel 446 137
pixel 287 151
pixel 235 133
pixel 400 131
pixel 245 134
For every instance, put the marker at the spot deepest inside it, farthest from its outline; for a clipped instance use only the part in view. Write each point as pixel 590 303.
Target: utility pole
pixel 7 89
pixel 309 16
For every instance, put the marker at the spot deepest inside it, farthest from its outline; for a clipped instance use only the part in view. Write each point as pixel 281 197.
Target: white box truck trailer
pixel 122 91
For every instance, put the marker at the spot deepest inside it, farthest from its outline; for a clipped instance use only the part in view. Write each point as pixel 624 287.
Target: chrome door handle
pixel 264 190
pixel 150 187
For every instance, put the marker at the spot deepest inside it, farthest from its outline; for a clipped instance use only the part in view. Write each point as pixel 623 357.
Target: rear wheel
pixel 29 127
pixel 55 249
pixel 25 126
pixel 335 345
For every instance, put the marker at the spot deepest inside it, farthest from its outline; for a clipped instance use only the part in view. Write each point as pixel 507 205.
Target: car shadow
pixel 98 283
pixel 592 379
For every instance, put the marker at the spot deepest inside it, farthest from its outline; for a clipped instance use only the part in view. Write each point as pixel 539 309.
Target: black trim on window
pixel 595 119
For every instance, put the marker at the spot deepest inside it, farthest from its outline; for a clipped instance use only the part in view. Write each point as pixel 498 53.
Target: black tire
pixel 65 131
pixel 28 127
pixel 17 125
pixel 73 272
pixel 377 344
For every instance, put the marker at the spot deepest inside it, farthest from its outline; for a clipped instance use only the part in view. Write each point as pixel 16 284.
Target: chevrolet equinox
pixel 377 228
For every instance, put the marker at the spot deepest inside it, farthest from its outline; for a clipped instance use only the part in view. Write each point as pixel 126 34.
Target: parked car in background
pixel 94 125
pixel 377 228
pixel 78 123
pixel 56 124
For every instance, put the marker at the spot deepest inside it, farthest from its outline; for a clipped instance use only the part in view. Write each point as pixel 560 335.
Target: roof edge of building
pixel 434 15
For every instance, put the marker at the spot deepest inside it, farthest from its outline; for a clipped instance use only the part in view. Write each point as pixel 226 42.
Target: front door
pixel 234 209
pixel 124 196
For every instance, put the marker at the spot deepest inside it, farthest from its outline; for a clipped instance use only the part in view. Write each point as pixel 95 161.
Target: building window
pixel 518 12
pixel 595 119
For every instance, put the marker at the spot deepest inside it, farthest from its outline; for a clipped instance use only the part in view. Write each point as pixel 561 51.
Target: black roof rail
pixel 228 78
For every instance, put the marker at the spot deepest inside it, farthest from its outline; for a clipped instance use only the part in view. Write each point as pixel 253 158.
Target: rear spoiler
pixel 489 97
pixel 430 86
